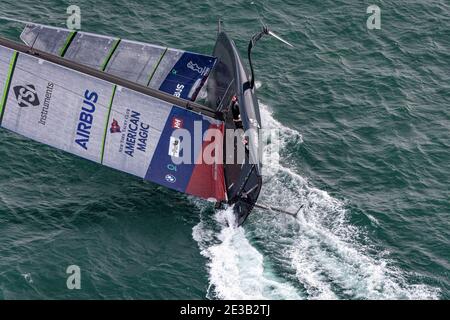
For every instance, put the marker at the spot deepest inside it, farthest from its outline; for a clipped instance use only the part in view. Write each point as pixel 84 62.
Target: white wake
pixel 318 255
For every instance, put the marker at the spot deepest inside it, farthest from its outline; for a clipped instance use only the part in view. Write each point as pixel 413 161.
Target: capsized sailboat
pixel 122 104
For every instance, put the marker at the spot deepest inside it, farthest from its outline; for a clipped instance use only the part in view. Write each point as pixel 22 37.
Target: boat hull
pixel 230 79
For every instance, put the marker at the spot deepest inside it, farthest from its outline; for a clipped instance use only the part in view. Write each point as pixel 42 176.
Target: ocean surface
pixel 364 117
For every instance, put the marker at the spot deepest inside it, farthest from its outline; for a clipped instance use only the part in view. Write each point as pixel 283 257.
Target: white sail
pixel 170 70
pixel 100 121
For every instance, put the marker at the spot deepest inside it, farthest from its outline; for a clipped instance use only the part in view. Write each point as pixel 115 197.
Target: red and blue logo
pixel 115 128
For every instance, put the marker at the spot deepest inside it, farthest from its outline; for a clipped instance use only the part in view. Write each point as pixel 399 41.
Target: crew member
pixel 236 112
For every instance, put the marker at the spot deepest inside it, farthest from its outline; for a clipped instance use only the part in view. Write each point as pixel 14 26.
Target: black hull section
pixel 229 79
pixel 245 204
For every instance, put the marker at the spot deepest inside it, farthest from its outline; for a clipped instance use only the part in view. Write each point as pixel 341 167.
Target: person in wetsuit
pixel 236 112
pixel 238 121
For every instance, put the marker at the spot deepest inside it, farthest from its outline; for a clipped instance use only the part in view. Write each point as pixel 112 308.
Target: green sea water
pixel 364 117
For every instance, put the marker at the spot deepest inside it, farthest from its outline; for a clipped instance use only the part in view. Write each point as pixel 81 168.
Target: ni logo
pixel 26 96
pixel 115 128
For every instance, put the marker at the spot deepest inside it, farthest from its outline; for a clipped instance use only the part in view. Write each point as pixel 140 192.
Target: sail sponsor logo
pixel 115 128
pixel 170 178
pixel 178 90
pixel 135 135
pixel 26 96
pixel 174 147
pixel 177 123
pixel 46 104
pixel 195 67
pixel 175 143
pixel 86 119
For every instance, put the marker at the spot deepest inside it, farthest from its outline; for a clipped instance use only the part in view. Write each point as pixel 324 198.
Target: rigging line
pixel 60 17
pixel 16 20
pixel 225 95
pixel 117 69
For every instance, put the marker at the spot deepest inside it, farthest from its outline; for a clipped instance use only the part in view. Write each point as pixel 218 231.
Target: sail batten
pixel 7 83
pixel 156 66
pixel 66 45
pixel 110 54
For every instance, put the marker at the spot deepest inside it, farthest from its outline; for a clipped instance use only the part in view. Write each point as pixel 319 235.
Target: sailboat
pixel 123 104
